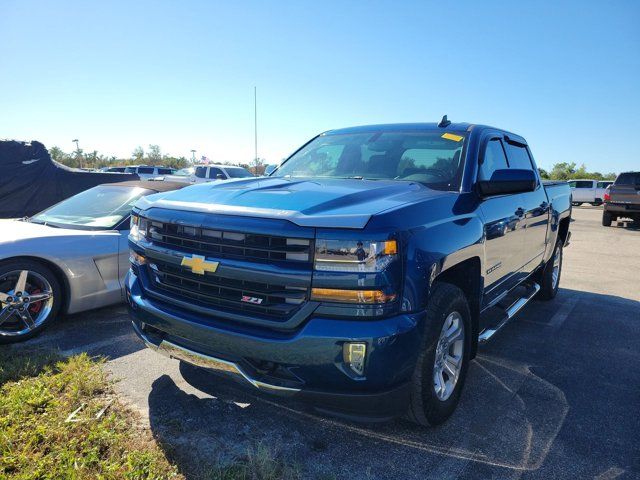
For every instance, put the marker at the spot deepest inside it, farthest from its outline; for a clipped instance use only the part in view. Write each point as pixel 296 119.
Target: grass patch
pixel 38 392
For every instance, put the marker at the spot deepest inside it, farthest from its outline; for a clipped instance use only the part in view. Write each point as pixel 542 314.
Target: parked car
pixel 622 199
pixel 146 172
pixel 209 173
pixel 114 170
pixel 588 191
pixel 362 274
pixel 71 257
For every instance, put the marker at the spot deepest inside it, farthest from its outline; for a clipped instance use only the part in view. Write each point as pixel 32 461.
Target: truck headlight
pixel 137 228
pixel 354 255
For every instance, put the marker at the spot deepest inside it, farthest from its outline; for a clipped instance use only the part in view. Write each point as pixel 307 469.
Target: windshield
pixel 101 207
pixel 185 172
pixel 238 172
pixel 431 158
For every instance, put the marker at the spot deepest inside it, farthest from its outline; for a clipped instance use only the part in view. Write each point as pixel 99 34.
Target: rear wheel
pixel 30 297
pixel 442 365
pixel 607 218
pixel 550 280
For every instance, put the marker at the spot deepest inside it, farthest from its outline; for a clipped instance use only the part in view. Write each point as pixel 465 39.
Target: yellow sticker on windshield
pixel 452 136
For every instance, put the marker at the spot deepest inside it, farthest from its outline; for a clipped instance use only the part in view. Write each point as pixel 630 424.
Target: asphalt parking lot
pixel 556 394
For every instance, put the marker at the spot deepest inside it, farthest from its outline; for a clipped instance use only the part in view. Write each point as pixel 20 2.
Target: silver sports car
pixel 69 258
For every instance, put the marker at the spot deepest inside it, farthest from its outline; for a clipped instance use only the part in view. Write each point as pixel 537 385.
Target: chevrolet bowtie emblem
pixel 198 264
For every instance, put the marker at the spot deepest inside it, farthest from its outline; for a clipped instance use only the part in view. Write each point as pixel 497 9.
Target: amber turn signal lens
pixel 390 247
pixel 351 296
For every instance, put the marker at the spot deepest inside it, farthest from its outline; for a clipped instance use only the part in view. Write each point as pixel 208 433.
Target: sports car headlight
pixel 354 255
pixel 138 228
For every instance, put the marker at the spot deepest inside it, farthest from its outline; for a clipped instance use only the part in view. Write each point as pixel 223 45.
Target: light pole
pixel 193 157
pixel 75 140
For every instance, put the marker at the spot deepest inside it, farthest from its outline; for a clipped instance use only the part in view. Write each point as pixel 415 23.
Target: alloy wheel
pixel 26 300
pixel 449 356
pixel 555 274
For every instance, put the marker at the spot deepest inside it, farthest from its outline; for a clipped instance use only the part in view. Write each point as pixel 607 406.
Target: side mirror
pixel 508 181
pixel 220 177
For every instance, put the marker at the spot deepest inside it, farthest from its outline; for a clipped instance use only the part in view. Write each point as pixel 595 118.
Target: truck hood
pixel 339 203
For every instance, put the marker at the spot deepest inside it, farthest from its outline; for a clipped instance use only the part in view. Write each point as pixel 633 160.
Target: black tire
pixel 32 266
pixel 549 288
pixel 606 219
pixel 425 408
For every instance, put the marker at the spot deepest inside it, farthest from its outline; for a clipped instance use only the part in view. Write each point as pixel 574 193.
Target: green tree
pixel 138 155
pixel 154 155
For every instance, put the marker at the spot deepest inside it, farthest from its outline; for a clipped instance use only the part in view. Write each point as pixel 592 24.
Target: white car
pixel 147 172
pixel 69 258
pixel 208 173
pixel 588 191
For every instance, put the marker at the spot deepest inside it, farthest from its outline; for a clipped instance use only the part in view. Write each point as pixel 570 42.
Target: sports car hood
pixel 311 202
pixel 15 230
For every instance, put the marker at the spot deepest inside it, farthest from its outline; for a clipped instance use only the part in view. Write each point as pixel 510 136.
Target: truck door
pixel 536 209
pixel 504 233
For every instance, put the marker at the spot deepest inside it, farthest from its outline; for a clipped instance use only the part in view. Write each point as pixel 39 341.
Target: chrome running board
pixel 511 312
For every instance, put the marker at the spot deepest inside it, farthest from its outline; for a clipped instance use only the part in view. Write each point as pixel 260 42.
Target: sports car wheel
pixel 30 298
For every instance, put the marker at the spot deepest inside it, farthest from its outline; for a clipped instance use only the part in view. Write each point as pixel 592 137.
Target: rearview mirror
pixel 508 181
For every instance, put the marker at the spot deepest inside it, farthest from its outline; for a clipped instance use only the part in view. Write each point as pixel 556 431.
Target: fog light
pixel 354 355
pixel 136 259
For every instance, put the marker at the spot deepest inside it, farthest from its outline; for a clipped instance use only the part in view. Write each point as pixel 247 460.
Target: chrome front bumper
pixel 218 365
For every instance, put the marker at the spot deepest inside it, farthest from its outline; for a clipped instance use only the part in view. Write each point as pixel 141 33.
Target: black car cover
pixel 30 181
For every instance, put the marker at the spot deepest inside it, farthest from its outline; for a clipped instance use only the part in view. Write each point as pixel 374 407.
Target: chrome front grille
pixel 270 300
pixel 259 276
pixel 229 244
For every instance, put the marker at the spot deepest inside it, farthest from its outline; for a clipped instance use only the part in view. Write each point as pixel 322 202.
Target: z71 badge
pixel 254 300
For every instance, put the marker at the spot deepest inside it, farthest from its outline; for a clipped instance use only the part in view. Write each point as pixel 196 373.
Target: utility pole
pixel 78 151
pixel 255 125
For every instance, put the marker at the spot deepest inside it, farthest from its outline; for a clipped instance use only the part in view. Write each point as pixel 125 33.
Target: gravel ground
pixel 556 394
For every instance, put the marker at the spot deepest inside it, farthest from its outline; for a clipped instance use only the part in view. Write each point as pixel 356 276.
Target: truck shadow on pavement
pixel 535 400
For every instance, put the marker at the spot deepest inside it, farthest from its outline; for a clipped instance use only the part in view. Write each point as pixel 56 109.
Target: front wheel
pixel 442 365
pixel 30 297
pixel 550 281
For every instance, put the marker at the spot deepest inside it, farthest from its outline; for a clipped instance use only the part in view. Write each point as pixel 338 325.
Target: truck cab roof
pixel 426 126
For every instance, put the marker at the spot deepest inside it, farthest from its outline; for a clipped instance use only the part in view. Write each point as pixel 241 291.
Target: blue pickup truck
pixel 361 275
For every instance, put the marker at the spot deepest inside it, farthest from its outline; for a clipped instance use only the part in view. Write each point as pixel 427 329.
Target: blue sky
pixel 566 75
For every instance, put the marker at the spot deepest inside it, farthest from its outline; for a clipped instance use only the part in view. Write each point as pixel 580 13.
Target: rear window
pixel 581 184
pixel 629 178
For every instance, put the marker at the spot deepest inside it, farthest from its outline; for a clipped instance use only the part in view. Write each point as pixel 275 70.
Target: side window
pixel 201 172
pixel 145 170
pixel 518 157
pixel 494 159
pixel 165 171
pixel 583 184
pixel 214 172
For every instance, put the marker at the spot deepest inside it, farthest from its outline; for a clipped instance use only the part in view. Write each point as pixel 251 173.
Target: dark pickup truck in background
pixel 622 199
pixel 361 275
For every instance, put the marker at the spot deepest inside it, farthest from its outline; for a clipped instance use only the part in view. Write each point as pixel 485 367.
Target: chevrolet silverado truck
pixel 622 199
pixel 361 275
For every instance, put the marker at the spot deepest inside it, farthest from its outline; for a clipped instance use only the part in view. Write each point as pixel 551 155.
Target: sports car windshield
pixel 99 208
pixel 432 158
